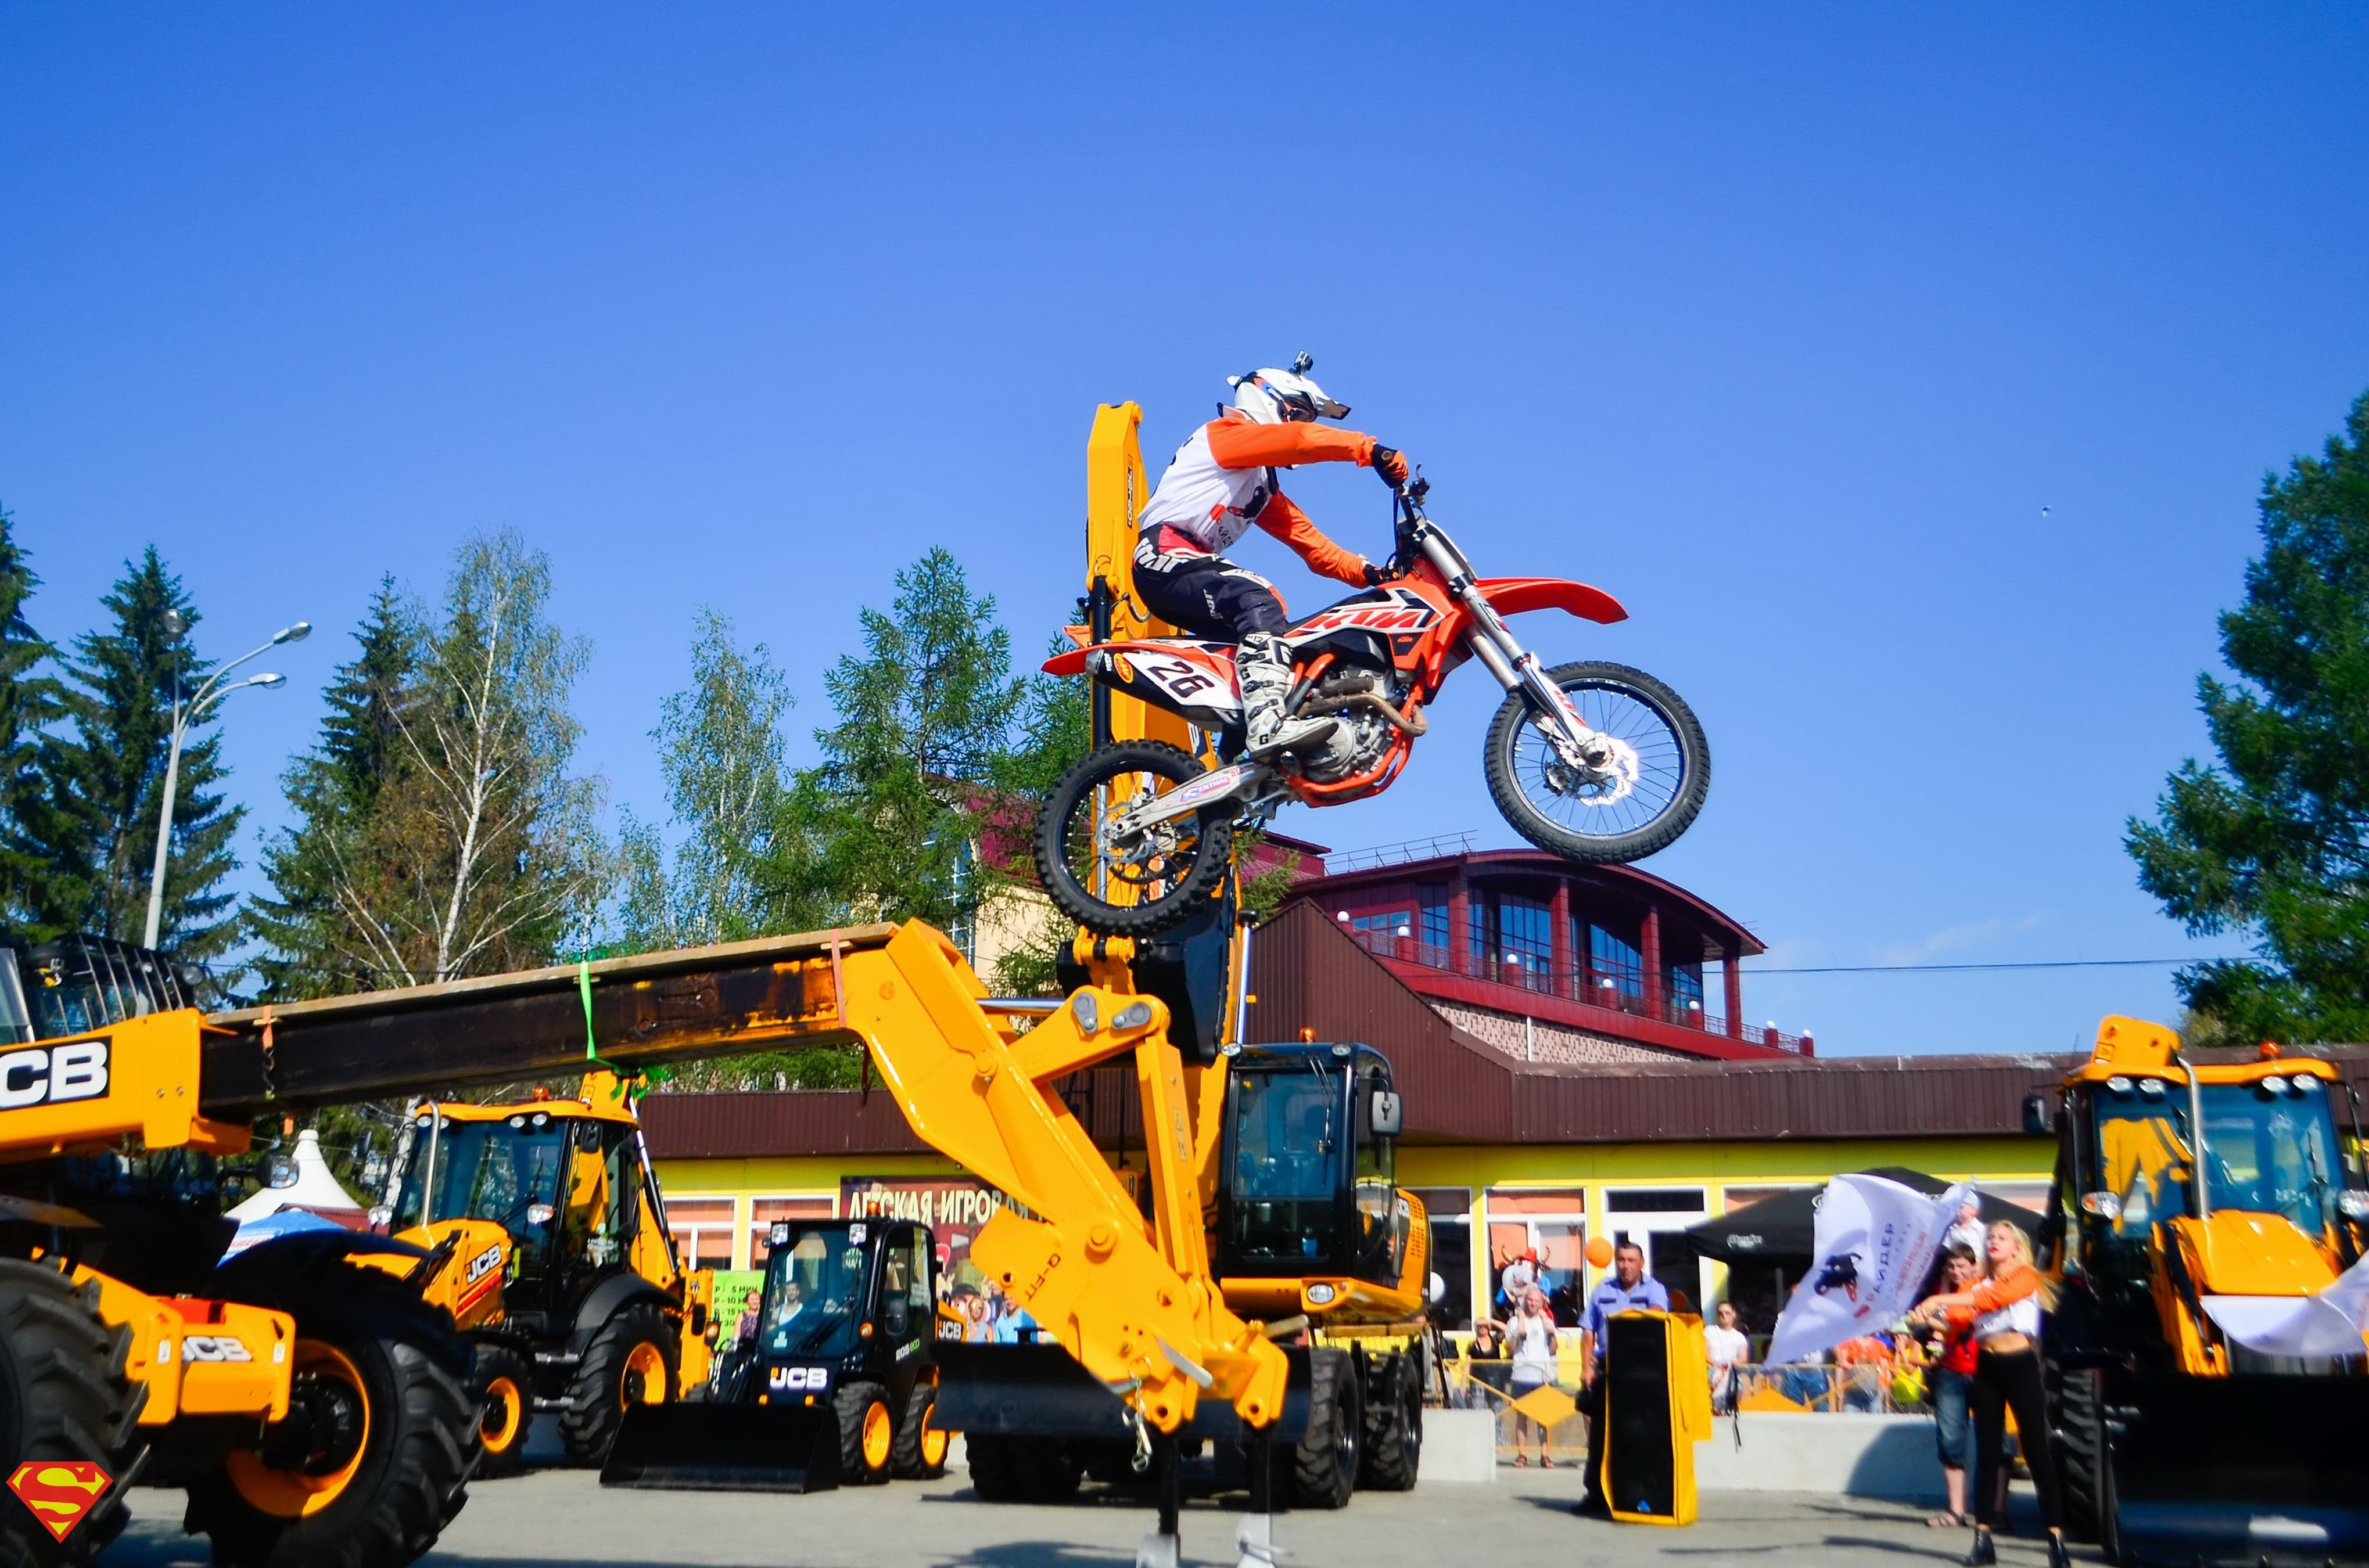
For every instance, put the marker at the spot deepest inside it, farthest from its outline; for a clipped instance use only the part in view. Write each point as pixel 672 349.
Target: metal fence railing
pixel 1868 1388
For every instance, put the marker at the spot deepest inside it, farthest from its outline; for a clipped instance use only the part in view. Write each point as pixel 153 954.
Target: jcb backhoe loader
pixel 846 1323
pixel 1309 1230
pixel 566 1280
pixel 309 1400
pixel 2190 1193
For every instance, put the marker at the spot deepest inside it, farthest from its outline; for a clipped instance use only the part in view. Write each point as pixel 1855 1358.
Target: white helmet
pixel 1280 397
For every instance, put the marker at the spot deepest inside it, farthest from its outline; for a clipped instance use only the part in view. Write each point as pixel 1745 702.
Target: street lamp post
pixel 184 715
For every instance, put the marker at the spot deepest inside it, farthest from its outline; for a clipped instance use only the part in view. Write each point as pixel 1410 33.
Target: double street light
pixel 185 714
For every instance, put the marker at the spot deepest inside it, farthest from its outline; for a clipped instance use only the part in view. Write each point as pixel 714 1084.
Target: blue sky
pixel 1910 377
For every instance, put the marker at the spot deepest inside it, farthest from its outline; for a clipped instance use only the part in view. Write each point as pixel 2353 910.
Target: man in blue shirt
pixel 1631 1288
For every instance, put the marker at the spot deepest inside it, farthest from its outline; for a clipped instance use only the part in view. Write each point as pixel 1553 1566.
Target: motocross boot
pixel 1266 676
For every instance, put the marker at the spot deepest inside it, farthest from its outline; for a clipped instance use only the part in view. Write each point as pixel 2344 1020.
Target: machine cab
pixel 1309 1184
pixel 567 1187
pixel 843 1296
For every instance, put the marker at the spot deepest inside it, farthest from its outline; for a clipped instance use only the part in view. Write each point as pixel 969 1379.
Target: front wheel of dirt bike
pixel 1648 790
pixel 1128 884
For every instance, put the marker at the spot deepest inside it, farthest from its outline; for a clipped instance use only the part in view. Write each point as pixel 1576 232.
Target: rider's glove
pixel 1391 464
pixel 1374 575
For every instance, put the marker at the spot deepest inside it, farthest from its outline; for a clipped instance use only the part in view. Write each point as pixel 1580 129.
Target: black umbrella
pixel 1779 1230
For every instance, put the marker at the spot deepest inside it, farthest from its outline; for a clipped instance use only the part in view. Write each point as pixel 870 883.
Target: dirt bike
pixel 1596 762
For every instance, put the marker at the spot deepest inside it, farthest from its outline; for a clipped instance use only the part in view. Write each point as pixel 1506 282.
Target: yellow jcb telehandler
pixel 2192 1196
pixel 564 1276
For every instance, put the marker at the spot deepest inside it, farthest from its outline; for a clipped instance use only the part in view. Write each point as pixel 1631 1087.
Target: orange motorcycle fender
pixel 1513 595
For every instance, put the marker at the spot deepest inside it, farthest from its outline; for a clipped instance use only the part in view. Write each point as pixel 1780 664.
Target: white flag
pixel 1875 1242
pixel 2328 1322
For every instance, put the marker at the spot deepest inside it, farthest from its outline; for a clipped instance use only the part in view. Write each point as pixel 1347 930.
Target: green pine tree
pixel 38 896
pixel 124 683
pixel 887 826
pixel 2273 843
pixel 336 792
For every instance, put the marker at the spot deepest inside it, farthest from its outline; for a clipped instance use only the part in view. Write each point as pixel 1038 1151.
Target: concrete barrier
pixel 1459 1446
pixel 1841 1454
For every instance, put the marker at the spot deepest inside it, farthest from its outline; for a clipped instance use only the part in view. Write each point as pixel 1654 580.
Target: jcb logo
pixel 484 1263
pixel 53 1074
pixel 799 1379
pixel 213 1347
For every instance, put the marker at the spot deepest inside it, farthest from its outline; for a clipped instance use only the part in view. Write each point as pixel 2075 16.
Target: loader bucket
pixel 1042 1390
pixel 726 1448
pixel 2257 1463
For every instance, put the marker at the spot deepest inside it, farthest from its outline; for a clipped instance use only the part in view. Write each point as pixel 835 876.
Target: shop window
pixel 703 1231
pixel 1612 958
pixel 763 1211
pixel 1655 1219
pixel 1451 1212
pixel 1735 1198
pixel 2031 1195
pixel 1550 1221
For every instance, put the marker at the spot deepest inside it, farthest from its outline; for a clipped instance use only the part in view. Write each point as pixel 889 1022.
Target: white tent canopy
pixel 314 1190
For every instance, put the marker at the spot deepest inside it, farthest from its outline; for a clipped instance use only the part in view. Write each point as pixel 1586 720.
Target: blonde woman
pixel 2003 1309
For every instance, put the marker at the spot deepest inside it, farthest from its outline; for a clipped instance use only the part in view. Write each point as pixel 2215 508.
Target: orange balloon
pixel 1599 1253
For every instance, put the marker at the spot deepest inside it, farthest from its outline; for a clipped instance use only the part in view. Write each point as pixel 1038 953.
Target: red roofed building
pixel 1544 961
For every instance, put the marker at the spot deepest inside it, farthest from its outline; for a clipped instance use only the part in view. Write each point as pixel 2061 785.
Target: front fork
pixel 1516 668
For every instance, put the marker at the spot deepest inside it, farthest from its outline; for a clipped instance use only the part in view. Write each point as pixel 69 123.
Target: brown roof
pixel 1307 973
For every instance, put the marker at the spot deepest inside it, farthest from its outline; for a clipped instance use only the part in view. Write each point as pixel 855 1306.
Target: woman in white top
pixel 1727 1348
pixel 1531 1337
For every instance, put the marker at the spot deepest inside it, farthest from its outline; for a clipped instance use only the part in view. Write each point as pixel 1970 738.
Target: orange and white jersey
pixel 1223 479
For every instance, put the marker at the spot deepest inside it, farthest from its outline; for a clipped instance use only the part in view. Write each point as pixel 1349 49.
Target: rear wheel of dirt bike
pixel 1653 784
pixel 921 1450
pixel 630 1361
pixel 868 1434
pixel 1324 1467
pixel 63 1398
pixel 380 1438
pixel 503 1385
pixel 1393 1429
pixel 1139 883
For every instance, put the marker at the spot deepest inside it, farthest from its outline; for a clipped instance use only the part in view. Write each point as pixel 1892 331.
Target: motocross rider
pixel 1220 482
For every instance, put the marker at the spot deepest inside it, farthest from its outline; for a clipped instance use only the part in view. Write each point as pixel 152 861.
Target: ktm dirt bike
pixel 1596 762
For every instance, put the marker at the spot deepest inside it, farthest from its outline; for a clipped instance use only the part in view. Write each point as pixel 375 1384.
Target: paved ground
pixel 1526 1517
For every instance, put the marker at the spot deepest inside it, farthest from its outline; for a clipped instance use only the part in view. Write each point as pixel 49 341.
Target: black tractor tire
pixel 1662 831
pixel 853 1405
pixel 909 1459
pixel 2084 1461
pixel 1324 1466
pixel 502 1382
pixel 1022 1469
pixel 1393 1427
pixel 408 1477
pixel 1073 792
pixel 64 1396
pixel 597 1394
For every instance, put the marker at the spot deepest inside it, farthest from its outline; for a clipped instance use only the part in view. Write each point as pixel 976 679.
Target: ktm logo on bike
pixel 62 1493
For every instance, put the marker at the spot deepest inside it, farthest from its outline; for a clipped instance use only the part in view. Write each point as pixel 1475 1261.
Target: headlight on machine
pixel 2353 1206
pixel 2105 1205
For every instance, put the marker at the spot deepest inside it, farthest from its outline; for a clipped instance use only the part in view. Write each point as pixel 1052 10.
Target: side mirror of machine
pixel 279 1172
pixel 2353 1206
pixel 2039 1116
pixel 1386 1114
